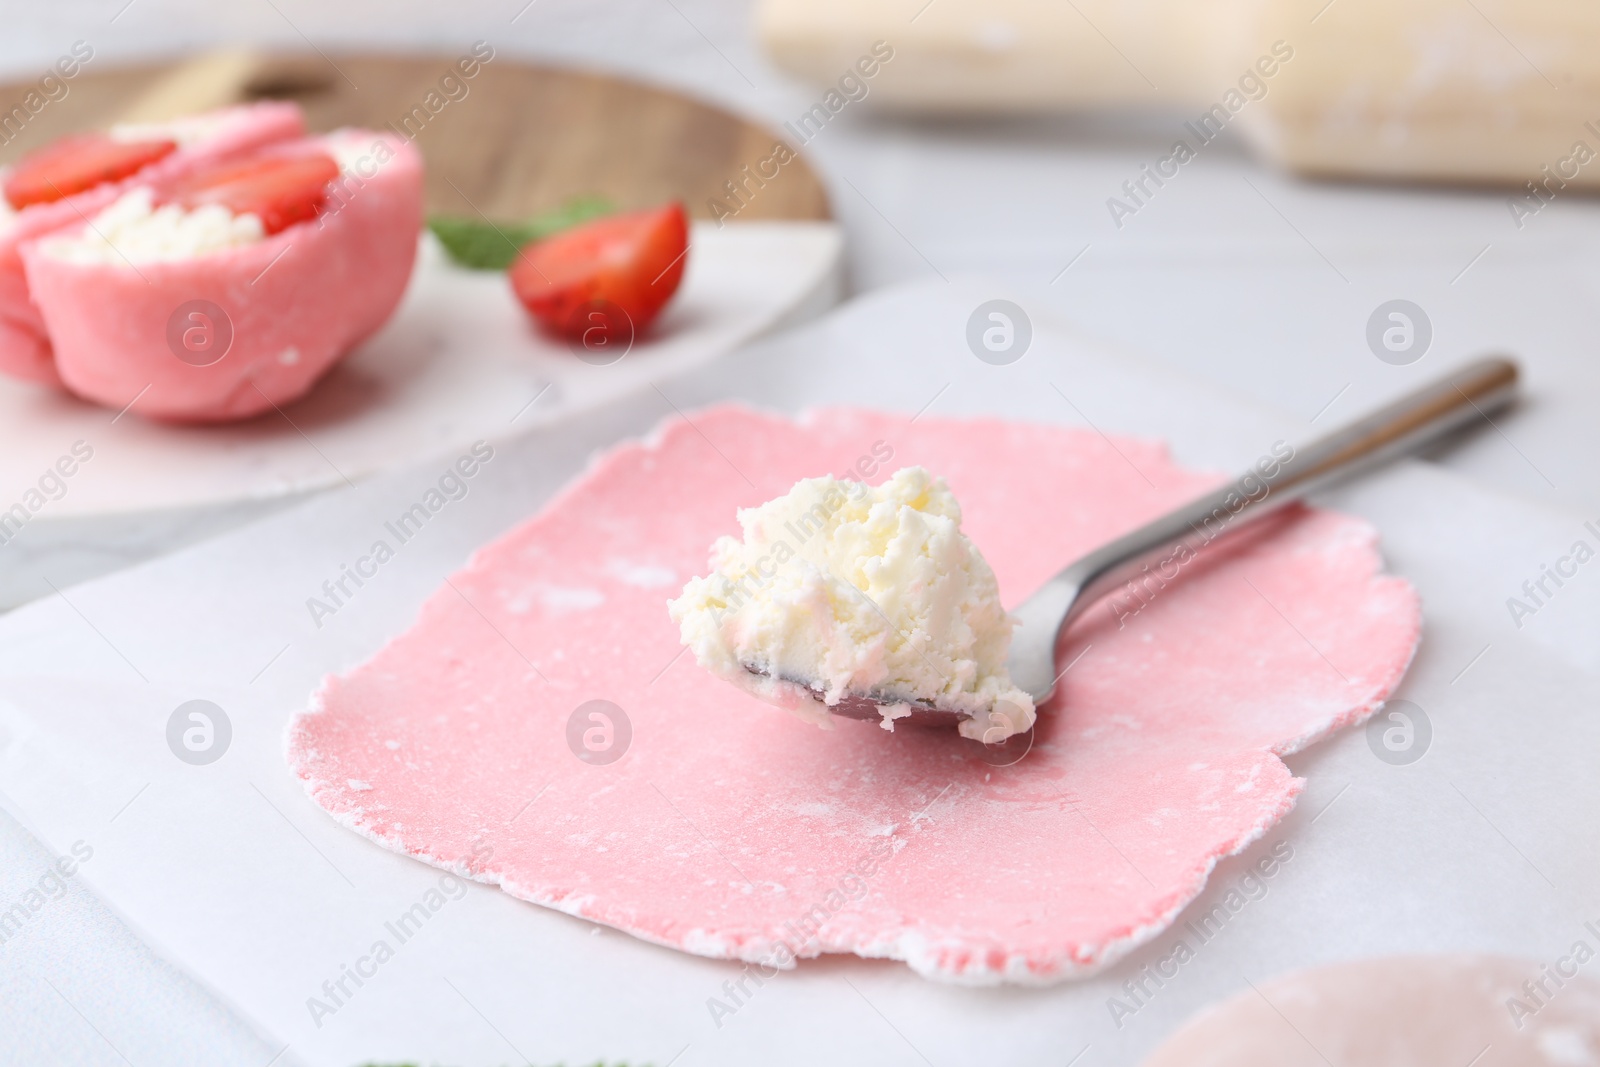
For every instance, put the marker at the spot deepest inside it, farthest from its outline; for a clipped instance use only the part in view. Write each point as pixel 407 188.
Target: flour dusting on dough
pixel 1164 738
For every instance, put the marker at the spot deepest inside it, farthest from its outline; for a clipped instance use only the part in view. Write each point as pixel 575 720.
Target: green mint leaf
pixel 478 244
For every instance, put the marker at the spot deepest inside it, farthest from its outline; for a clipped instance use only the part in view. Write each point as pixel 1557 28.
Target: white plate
pixel 459 361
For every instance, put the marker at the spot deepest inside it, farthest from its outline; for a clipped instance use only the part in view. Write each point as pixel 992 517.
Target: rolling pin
pixel 1503 92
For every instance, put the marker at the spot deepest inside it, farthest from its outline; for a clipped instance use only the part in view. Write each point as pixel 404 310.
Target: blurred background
pixel 1001 137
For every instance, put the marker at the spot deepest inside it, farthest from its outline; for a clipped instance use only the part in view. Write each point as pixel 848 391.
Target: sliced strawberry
pixel 620 267
pixel 78 162
pixel 279 190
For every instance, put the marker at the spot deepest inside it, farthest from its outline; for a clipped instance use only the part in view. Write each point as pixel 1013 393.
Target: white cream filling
pixel 134 230
pixel 850 589
pixel 187 130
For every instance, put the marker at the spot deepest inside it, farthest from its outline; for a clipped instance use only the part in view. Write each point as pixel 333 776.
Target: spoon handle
pixel 1464 396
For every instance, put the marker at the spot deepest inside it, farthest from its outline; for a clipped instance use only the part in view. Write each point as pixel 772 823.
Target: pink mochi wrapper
pixel 730 829
pixel 296 301
pixel 25 350
pixel 1450 1010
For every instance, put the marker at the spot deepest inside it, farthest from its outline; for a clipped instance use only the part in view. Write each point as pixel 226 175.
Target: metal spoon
pixel 1417 419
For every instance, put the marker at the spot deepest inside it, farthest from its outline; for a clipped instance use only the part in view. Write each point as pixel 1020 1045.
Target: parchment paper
pixel 1484 843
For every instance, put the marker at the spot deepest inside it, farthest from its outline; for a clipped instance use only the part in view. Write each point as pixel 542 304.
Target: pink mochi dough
pixel 730 829
pixel 24 343
pixel 297 301
pixel 1456 1010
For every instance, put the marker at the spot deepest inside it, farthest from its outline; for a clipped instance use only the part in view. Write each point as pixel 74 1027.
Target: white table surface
pixel 1230 282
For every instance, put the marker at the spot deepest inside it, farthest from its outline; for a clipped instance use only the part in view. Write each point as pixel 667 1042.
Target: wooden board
pixel 459 360
pixel 522 139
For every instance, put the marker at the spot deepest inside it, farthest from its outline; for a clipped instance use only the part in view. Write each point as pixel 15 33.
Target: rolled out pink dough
pixel 1405 1011
pixel 729 828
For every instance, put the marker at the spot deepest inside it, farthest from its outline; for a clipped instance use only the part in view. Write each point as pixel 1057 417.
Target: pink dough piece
pixel 297 302
pixel 730 828
pixel 24 344
pixel 1405 1011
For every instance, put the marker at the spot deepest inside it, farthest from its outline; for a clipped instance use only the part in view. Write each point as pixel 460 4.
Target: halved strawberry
pixel 78 162
pixel 581 278
pixel 279 190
